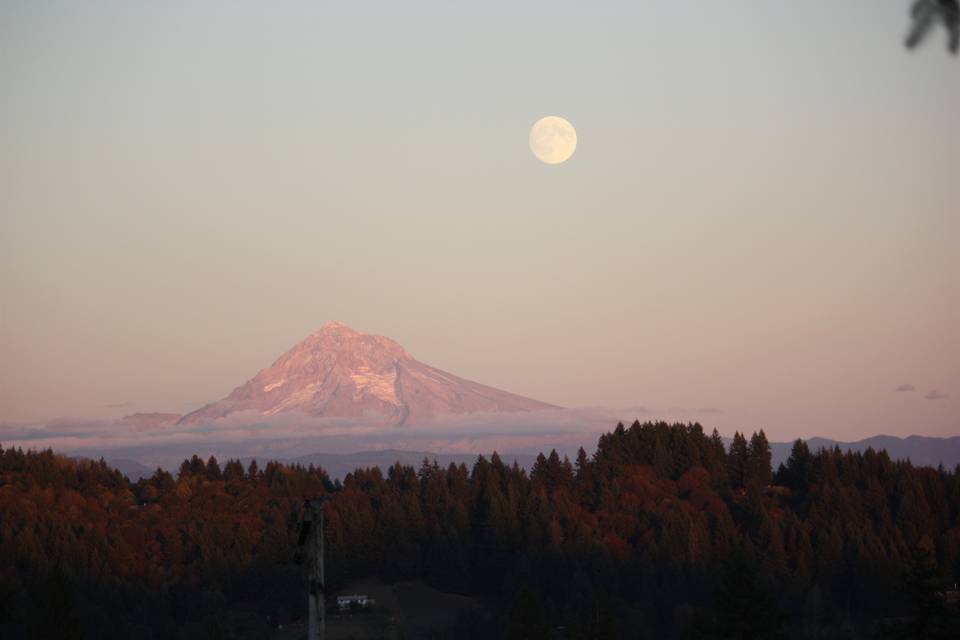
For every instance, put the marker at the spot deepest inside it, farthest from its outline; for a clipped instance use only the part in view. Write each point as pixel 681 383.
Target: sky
pixel 759 226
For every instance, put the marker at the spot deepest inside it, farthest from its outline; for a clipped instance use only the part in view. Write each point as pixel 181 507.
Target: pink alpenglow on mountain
pixel 339 372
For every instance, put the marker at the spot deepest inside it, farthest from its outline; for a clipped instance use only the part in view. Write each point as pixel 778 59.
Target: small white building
pixel 353 601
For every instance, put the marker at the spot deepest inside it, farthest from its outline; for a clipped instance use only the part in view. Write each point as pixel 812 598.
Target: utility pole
pixel 311 539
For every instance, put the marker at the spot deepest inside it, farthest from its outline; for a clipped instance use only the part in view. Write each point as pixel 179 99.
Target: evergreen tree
pixel 795 474
pixel 738 461
pixel 212 469
pixel 759 469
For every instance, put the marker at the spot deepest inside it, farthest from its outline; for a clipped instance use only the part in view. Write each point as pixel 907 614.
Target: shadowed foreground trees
pixel 662 533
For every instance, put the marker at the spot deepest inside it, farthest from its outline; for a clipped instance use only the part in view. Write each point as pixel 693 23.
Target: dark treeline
pixel 662 533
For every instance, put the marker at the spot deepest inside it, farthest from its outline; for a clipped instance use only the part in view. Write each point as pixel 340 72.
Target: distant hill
pixel 922 451
pixel 339 465
pixel 131 468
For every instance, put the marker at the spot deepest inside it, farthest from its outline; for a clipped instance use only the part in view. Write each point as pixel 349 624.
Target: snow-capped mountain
pixel 339 372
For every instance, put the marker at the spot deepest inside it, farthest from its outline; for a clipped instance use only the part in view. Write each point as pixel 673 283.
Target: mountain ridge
pixel 338 465
pixel 928 451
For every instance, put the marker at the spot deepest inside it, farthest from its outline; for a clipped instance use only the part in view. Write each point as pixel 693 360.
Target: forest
pixel 663 532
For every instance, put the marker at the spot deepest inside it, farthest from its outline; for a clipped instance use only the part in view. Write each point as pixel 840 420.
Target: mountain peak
pixel 336 337
pixel 335 326
pixel 340 372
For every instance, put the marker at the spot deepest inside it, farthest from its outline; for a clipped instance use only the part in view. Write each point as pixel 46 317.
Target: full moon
pixel 553 140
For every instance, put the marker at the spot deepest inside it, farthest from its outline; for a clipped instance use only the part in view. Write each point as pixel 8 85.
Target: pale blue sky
pixel 761 216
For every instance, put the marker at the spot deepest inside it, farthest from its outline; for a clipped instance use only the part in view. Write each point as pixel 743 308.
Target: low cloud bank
pixel 292 435
pixel 289 436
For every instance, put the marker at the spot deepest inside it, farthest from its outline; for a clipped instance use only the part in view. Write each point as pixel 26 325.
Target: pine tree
pixel 758 456
pixel 716 460
pixel 582 465
pixel 233 471
pixel 212 469
pixel 662 458
pixel 795 474
pixel 738 461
